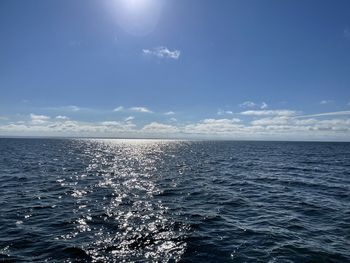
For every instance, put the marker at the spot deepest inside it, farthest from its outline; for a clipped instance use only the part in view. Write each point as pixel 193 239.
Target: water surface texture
pixel 89 200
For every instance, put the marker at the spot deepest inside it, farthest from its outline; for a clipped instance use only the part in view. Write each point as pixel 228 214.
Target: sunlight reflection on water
pixel 138 225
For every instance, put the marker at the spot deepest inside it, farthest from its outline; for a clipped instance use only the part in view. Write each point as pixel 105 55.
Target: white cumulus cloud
pixel 38 119
pixel 111 123
pixel 157 128
pixel 270 125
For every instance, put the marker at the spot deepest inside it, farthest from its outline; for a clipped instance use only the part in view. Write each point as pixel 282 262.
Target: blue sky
pixel 176 69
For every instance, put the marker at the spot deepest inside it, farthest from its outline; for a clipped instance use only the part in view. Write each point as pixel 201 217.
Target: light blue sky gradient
pixel 176 69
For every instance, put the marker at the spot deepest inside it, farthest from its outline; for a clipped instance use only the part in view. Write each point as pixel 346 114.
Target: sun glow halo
pixel 136 5
pixel 138 17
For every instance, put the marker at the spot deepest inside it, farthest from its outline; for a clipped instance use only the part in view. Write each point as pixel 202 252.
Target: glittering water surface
pixel 191 201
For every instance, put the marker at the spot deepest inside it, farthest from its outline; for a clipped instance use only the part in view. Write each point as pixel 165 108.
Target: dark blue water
pixel 167 201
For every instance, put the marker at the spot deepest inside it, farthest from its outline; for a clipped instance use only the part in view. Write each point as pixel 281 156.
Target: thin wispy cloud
pixel 264 106
pixel 137 109
pixel 169 113
pixel 120 108
pixel 3 118
pixel 162 52
pixel 248 104
pixel 346 33
pixel 334 113
pixel 73 108
pixel 224 112
pixel 324 102
pixel 269 113
pixel 140 109
pixel 130 118
pixel 251 104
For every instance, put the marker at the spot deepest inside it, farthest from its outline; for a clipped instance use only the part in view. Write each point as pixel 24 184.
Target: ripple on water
pixel 152 200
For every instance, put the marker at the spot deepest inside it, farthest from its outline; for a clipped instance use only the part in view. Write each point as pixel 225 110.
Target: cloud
pixel 323 102
pixel 162 52
pixel 169 113
pixel 157 128
pixel 130 118
pixel 38 119
pixel 120 108
pixel 60 117
pixel 247 104
pixel 347 33
pixel 264 106
pixel 134 109
pixel 65 108
pixel 270 125
pixel 269 113
pixel 334 113
pixel 304 128
pixel 251 104
pixel 72 108
pixel 220 121
pixel 3 118
pixel 141 109
pixel 223 112
pixel 214 126
pixel 280 120
pixel 112 123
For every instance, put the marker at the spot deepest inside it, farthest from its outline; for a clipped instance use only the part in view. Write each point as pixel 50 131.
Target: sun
pixel 138 17
pixel 136 5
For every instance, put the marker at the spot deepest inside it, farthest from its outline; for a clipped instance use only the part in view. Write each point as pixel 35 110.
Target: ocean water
pixel 89 200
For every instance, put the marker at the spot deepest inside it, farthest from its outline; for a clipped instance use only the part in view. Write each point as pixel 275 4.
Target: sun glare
pixel 137 17
pixel 136 5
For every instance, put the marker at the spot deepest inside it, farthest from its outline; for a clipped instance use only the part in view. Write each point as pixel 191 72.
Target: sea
pixel 113 200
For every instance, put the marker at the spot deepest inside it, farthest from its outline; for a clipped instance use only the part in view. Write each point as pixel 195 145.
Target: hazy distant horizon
pixel 168 139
